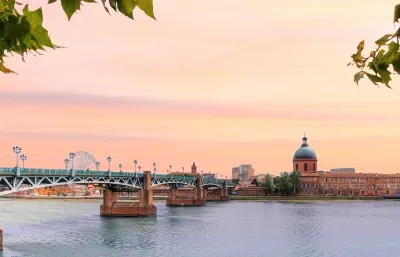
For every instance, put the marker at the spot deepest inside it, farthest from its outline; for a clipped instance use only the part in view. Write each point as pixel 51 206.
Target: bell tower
pixel 194 168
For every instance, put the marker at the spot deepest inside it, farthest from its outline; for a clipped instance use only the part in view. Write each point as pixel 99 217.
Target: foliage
pixel 23 33
pixel 295 180
pixel 254 182
pixel 268 184
pixel 288 182
pixel 381 62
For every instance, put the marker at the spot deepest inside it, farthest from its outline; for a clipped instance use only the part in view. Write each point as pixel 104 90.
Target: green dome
pixel 305 151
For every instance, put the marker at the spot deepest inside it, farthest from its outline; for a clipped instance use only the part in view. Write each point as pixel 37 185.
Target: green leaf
pixel 385 76
pixel 89 1
pixel 358 76
pixel 70 7
pixel 51 1
pixel 40 34
pixel 42 37
pixel 35 18
pixel 126 7
pixel 383 39
pixel 396 65
pixel 113 4
pixel 15 31
pixel 374 79
pixel 396 13
pixel 5 70
pixel 147 7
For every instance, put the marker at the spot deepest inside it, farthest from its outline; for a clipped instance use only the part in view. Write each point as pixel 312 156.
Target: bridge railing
pixel 167 176
pixel 58 172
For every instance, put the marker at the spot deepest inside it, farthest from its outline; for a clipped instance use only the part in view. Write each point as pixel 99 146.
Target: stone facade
pixel 315 183
pixel 350 184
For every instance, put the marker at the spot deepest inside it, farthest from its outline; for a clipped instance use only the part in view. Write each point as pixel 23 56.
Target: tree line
pixel 285 184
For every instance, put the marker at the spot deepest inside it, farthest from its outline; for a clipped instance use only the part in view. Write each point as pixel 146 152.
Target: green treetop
pixel 21 33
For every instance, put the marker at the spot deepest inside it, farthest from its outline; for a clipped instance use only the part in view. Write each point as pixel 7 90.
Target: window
pixel 305 167
pixel 338 192
pixel 326 192
pixel 362 192
pixel 376 192
pixel 297 166
pixel 387 192
pixel 351 192
pixel 313 167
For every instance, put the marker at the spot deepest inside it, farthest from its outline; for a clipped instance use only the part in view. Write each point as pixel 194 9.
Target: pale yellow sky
pixel 216 82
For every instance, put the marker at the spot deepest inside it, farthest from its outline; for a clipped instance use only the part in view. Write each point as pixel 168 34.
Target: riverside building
pixel 343 182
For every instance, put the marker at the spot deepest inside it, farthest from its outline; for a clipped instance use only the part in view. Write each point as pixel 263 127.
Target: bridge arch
pixel 62 181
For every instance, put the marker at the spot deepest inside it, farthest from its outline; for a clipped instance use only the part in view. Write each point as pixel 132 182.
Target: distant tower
pixel 304 159
pixel 194 168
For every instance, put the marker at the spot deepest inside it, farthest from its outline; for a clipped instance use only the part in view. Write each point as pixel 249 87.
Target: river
pixel 58 228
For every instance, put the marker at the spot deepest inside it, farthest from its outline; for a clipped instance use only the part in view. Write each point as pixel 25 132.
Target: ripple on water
pixel 58 228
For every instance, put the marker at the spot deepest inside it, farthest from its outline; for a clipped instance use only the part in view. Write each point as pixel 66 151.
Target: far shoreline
pixel 282 199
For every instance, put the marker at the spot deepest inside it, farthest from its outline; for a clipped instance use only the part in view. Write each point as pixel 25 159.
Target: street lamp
pixel 23 159
pixel 135 162
pixel 120 167
pixel 183 171
pixel 170 167
pixel 109 162
pixel 154 165
pixel 71 156
pixel 139 168
pixel 97 166
pixel 66 161
pixel 17 150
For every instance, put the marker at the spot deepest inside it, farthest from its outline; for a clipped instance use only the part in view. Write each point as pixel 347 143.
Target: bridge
pixel 19 179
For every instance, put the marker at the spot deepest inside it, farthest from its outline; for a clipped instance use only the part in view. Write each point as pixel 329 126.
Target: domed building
pixel 305 159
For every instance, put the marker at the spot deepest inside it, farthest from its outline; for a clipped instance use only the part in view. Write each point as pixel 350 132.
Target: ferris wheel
pixel 84 161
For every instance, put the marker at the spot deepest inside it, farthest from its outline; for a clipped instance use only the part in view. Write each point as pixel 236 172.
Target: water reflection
pixel 229 229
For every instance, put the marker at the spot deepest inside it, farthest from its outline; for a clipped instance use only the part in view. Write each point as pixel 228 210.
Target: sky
pixel 220 83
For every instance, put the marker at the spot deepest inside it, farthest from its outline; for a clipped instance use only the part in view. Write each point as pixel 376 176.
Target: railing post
pixel 18 171
pixel 109 173
pixel 72 173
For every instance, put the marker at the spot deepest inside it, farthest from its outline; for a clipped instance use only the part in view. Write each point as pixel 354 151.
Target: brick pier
pixel 197 200
pixel 1 241
pixel 143 208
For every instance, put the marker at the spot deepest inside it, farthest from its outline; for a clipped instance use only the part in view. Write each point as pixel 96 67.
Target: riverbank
pixel 233 198
pixel 52 197
pixel 306 198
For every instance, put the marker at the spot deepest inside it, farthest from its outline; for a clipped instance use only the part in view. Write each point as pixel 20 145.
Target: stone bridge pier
pixel 198 200
pixel 143 208
pixel 220 194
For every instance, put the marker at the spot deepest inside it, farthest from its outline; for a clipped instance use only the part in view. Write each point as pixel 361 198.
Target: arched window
pixel 297 166
pixel 313 167
pixel 305 167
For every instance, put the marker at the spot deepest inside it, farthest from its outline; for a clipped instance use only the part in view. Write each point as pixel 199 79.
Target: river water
pixel 58 228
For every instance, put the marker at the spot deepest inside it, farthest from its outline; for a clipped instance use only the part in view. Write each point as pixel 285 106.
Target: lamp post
pixel 120 167
pixel 66 161
pixel 23 159
pixel 109 162
pixel 140 167
pixel 154 165
pixel 97 166
pixel 170 167
pixel 72 156
pixel 135 162
pixel 183 171
pixel 17 150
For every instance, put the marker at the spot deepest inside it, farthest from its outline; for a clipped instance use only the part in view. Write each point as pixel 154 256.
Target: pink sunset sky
pixel 220 83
